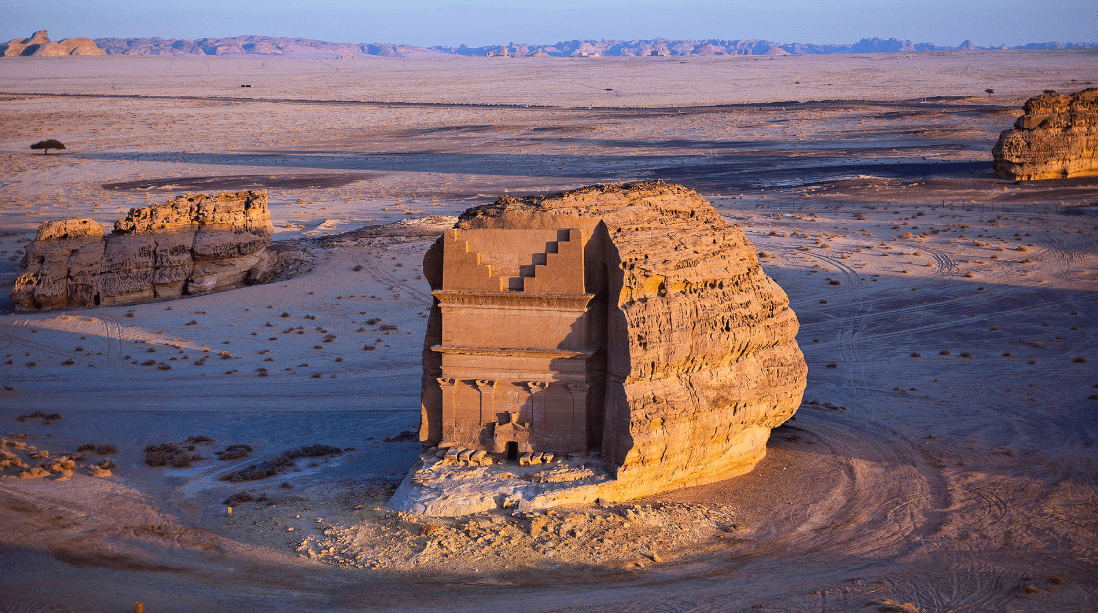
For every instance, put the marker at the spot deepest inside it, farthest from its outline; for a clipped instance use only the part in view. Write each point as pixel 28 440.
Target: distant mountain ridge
pixel 252 45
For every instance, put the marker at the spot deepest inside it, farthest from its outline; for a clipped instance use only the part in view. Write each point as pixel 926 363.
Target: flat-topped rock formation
pixel 1057 138
pixel 629 324
pixel 190 245
pixel 39 45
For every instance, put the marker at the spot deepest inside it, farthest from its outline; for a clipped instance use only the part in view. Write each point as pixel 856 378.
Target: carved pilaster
pixel 537 403
pixel 579 416
pixel 487 389
pixel 448 406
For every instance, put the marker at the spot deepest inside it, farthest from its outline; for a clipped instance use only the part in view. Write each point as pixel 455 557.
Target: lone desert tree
pixel 46 145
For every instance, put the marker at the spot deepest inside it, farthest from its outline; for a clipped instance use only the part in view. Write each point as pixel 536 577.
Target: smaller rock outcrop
pixel 1057 138
pixel 39 45
pixel 190 245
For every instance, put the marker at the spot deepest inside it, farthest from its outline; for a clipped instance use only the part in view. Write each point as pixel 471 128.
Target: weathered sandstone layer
pixel 39 45
pixel 190 245
pixel 696 358
pixel 1057 138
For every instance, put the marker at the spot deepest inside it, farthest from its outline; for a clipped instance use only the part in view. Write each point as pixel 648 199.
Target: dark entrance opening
pixel 96 299
pixel 512 450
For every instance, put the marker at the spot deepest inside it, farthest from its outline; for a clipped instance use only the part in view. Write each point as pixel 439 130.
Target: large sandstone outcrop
pixel 1057 138
pixel 696 358
pixel 39 45
pixel 190 245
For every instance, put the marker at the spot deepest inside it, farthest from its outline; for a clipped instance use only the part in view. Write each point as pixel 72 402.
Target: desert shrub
pixel 915 354
pixel 60 466
pixel 274 466
pixel 358 268
pixel 33 473
pixel 369 348
pixel 373 321
pixel 237 499
pixel 1079 360
pixel 170 454
pixel 40 454
pixel 387 327
pixel 234 452
pixel 149 363
pixel 106 449
pixel 10 460
pixel 407 435
pixel 944 352
pixel 46 145
pixel 47 418
pixel 86 447
pixel 832 365
pixel 965 354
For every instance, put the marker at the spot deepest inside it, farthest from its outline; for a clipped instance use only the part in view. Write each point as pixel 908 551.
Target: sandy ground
pixel 944 459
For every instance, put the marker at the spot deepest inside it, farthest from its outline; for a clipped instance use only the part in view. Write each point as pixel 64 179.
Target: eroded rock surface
pixel 190 245
pixel 1057 138
pixel 696 356
pixel 39 45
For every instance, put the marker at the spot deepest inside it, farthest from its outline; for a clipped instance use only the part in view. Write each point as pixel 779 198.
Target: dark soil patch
pixel 241 182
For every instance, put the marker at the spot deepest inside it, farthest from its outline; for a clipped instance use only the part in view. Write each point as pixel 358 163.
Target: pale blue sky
pixel 482 22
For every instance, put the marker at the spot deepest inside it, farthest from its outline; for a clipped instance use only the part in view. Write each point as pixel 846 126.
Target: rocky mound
pixel 1057 138
pixel 190 245
pixel 700 357
pixel 39 45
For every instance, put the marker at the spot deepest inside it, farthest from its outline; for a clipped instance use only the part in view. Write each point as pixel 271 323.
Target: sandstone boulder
pixel 39 45
pixel 1057 138
pixel 190 245
pixel 692 358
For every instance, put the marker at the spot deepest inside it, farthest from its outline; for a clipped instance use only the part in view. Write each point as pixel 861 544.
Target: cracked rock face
pixel 190 245
pixel 697 354
pixel 1057 138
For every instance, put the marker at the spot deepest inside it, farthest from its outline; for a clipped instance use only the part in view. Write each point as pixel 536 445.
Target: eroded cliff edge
pixel 1057 138
pixel 190 245
pixel 700 356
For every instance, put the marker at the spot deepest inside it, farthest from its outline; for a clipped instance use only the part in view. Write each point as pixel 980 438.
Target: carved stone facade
pixel 518 346
pixel 631 322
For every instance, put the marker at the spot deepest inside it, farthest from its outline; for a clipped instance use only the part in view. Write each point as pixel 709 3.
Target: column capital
pixel 445 381
pixel 578 387
pixel 538 384
pixel 485 383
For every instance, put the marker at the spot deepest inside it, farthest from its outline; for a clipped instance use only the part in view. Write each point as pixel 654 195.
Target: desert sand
pixel 944 459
